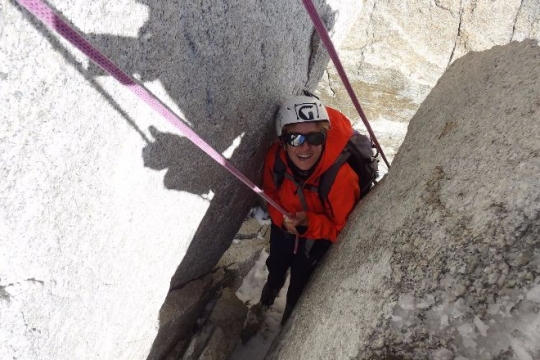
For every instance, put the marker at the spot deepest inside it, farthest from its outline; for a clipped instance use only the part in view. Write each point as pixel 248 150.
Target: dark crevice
pixel 515 20
pixel 368 35
pixel 34 280
pixel 330 84
pixel 461 10
pixel 439 5
pixel 313 49
pixel 183 285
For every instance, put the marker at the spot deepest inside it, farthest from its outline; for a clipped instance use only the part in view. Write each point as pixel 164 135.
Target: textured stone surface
pixel 397 50
pixel 442 260
pixel 252 229
pixel 239 259
pixel 180 335
pixel 228 320
pixel 180 311
pixel 221 331
pixel 103 202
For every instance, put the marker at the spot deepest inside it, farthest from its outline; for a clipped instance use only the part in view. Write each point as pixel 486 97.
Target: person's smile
pixel 306 155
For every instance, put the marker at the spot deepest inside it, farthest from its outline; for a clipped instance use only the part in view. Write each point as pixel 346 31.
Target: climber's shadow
pixel 163 153
pixel 196 173
pixel 189 169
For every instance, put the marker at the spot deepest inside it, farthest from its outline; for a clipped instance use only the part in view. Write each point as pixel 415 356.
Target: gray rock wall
pixel 102 201
pixel 442 259
pixel 397 50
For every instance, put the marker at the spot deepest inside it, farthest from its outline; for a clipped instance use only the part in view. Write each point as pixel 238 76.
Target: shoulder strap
pixel 278 172
pixel 327 179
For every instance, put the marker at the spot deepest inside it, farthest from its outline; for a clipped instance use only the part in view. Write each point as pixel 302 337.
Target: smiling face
pixel 306 155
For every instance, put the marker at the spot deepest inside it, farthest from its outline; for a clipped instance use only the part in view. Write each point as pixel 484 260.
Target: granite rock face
pixel 397 50
pixel 188 315
pixel 102 201
pixel 246 248
pixel 442 259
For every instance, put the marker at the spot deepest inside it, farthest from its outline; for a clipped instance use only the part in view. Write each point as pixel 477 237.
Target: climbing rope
pixel 325 37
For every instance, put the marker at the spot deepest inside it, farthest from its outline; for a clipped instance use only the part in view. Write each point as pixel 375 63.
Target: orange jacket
pixel 324 221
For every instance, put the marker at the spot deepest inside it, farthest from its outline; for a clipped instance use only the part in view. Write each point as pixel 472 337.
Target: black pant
pixel 302 264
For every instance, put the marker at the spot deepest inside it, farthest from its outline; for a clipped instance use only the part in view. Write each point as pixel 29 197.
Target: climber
pixel 311 137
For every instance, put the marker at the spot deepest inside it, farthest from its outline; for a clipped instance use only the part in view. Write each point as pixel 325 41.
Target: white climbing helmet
pixel 298 109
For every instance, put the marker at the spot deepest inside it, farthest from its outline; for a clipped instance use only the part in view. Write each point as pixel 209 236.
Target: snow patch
pixel 260 215
pixel 250 293
pixel 228 153
pixel 534 294
pixel 511 323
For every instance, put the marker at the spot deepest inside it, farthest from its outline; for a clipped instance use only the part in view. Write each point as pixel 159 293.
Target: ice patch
pixel 406 301
pixel 250 292
pixel 511 323
pixel 534 294
pixel 442 354
pixel 482 328
pixel 260 215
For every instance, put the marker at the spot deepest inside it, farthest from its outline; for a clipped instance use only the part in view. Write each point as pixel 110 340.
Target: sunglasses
pixel 295 139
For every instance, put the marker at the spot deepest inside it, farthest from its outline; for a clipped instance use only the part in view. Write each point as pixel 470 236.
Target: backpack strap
pixel 300 186
pixel 326 180
pixel 278 172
